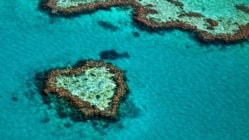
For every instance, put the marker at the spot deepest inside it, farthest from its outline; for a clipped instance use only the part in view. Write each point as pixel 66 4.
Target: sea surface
pixel 179 87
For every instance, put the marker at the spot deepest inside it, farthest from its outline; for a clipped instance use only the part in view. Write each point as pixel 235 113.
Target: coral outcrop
pixel 230 25
pixel 243 8
pixel 96 88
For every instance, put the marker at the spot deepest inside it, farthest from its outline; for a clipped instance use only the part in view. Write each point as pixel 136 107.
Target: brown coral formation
pixel 242 34
pixel 85 108
pixel 176 3
pixel 212 23
pixel 191 14
pixel 242 8
pixel 140 12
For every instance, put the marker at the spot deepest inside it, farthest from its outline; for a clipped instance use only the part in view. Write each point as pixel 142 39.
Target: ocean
pixel 180 88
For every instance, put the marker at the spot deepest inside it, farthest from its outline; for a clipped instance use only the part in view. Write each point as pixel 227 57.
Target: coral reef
pixel 96 88
pixel 74 3
pixel 170 14
pixel 242 8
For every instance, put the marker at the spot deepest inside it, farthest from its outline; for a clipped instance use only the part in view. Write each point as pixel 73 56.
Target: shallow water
pixel 179 87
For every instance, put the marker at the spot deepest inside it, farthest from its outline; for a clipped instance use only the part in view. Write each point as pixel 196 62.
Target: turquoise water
pixel 179 88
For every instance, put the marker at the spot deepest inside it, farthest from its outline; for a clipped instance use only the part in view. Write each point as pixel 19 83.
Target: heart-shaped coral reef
pixel 96 88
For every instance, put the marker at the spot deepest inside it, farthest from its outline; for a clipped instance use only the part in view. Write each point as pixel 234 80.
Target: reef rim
pixel 87 110
pixel 139 15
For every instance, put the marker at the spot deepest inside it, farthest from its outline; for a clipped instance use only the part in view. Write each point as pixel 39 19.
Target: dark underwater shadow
pixel 108 25
pixel 112 55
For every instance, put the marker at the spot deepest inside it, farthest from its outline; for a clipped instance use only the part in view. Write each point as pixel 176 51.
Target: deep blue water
pixel 179 88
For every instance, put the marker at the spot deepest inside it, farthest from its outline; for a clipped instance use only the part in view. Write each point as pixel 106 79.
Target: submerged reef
pixel 107 25
pixel 212 20
pixel 96 88
pixel 113 55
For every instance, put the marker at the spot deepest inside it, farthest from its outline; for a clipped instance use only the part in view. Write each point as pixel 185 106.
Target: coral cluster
pixel 70 3
pixel 230 25
pixel 96 88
